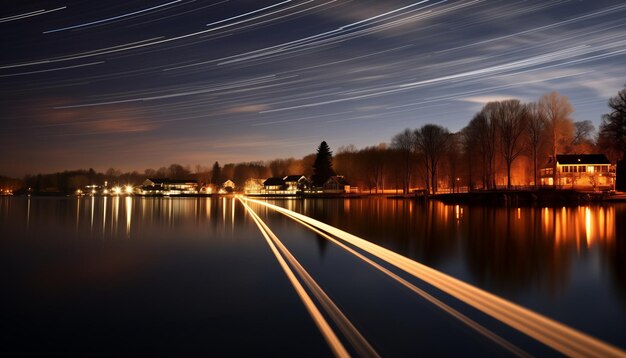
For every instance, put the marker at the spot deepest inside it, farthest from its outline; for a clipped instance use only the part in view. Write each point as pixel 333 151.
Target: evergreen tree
pixel 323 165
pixel 216 174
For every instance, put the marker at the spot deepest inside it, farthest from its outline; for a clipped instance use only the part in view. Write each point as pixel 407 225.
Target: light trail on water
pixel 554 334
pixel 461 317
pixel 360 344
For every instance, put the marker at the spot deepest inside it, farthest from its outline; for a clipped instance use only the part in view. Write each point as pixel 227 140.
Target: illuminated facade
pixel 289 185
pixel 579 171
pixel 275 184
pixel 297 182
pixel 336 185
pixel 228 186
pixel 154 186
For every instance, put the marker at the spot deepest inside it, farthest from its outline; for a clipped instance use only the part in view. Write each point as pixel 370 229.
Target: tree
pixel 373 162
pixel 536 129
pixel 431 141
pixel 613 134
pixel 481 133
pixel 216 174
pixel 323 165
pixel 177 171
pixel 511 118
pixel 404 143
pixel 582 131
pixel 453 160
pixel 613 127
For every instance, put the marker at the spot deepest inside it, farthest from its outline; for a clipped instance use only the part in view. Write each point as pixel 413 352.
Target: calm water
pixel 194 276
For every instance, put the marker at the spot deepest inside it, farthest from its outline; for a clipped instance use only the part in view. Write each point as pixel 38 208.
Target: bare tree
pixel 511 117
pixel 372 163
pixel 404 142
pixel 481 133
pixel 453 160
pixel 557 110
pixel 431 141
pixel 582 131
pixel 614 124
pixel 583 140
pixel 613 135
pixel 536 132
pixel 177 171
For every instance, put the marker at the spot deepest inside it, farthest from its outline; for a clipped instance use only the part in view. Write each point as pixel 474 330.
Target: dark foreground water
pixel 194 276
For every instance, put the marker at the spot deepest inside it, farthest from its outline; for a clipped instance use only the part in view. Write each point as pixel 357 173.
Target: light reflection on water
pixel 565 262
pixel 99 276
pixel 560 261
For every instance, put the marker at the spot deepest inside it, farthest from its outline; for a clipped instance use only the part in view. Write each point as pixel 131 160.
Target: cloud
pixel 486 99
pixel 87 121
pixel 248 108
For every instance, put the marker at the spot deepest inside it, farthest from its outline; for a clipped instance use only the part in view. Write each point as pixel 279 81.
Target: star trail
pixel 142 84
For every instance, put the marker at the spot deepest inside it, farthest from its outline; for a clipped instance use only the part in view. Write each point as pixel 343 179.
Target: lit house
pixel 228 186
pixel 579 171
pixel 296 182
pixel 336 185
pixel 160 186
pixel 289 185
pixel 274 185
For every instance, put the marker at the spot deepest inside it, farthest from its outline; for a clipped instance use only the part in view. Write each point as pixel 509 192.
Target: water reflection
pixel 120 217
pixel 504 248
pixel 109 274
pixel 128 209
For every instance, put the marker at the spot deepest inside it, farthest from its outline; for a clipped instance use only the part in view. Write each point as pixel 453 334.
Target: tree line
pixel 504 144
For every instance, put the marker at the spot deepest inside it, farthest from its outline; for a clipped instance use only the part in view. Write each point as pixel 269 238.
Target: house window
pixel 582 169
pixel 605 168
pixel 565 169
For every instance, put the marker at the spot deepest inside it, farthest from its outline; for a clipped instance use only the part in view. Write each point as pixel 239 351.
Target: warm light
pixel 105 191
pixel 93 191
pixel 117 190
pixel 588 229
pixel 552 333
pixel 128 189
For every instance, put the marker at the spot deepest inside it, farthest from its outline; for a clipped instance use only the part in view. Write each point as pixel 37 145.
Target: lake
pixel 195 276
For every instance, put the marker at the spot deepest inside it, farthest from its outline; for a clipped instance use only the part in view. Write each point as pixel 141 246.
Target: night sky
pixel 143 84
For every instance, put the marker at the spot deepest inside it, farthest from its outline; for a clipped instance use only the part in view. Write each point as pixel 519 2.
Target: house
pixel 289 185
pixel 336 184
pixel 162 186
pixel 228 186
pixel 296 182
pixel 274 184
pixel 579 171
